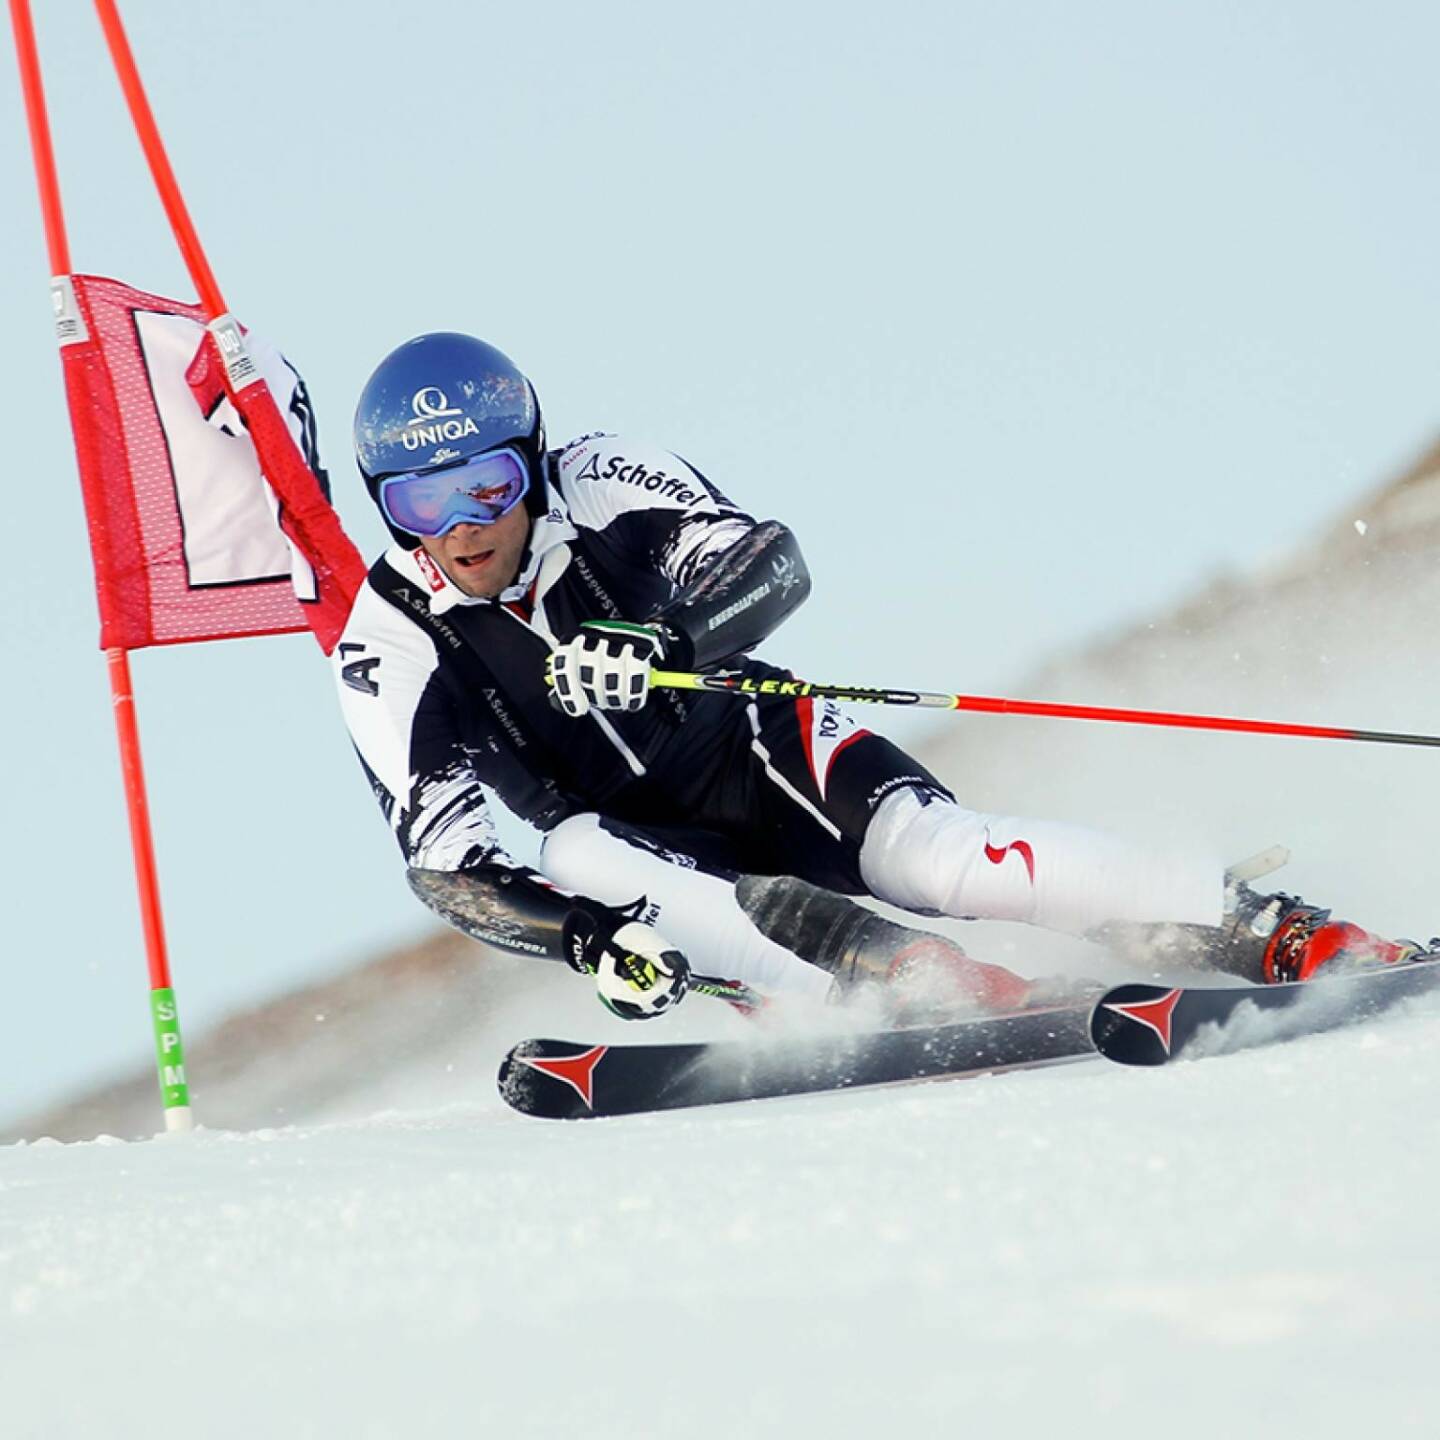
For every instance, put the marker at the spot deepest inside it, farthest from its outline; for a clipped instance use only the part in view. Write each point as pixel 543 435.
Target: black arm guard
pixel 737 600
pixel 854 944
pixel 509 909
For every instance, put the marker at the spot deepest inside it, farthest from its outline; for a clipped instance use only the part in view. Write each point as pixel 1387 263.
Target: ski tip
pixel 1135 1024
pixel 551 1079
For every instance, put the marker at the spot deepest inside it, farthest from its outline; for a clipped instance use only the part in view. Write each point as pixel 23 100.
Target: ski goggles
pixel 479 492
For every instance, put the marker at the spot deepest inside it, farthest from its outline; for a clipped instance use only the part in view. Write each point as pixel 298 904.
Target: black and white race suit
pixel 445 695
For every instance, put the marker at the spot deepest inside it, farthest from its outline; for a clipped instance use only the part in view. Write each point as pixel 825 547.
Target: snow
pixel 1227 1246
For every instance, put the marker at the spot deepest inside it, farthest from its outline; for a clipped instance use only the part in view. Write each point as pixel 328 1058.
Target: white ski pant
pixel 941 859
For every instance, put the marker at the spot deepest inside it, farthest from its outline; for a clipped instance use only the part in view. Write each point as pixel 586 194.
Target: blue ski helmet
pixel 442 399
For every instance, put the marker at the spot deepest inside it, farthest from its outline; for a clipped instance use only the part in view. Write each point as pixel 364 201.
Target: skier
pixel 506 642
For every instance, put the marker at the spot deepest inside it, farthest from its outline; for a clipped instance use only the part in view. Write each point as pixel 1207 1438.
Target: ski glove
pixel 638 974
pixel 606 665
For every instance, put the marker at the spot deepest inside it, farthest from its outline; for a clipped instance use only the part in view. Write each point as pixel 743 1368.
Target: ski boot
pixel 1266 939
pixel 1278 939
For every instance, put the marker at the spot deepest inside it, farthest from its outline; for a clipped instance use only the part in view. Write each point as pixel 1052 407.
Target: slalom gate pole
pixel 169 1049
pixel 148 133
pixel 993 705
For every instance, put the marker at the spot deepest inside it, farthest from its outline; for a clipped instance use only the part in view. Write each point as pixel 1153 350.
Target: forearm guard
pixel 509 909
pixel 737 600
pixel 854 944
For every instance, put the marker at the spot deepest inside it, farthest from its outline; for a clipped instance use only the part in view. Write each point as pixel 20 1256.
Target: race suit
pixel 661 808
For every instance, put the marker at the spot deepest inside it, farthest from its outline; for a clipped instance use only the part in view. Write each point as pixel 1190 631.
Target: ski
pixel 563 1080
pixel 1133 1024
pixel 1153 1024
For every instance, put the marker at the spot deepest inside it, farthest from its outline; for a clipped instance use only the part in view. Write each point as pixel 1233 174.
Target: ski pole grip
pixel 676 680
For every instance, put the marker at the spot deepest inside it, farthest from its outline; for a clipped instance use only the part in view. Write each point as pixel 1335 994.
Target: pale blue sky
pixel 1026 316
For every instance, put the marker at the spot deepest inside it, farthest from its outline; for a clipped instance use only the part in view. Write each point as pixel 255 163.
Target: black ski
pixel 1152 1024
pixel 561 1080
pixel 1133 1024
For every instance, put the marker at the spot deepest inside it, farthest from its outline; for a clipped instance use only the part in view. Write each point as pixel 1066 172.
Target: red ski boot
pixel 1300 940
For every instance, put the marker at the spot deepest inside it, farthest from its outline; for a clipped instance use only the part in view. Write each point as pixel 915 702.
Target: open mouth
pixel 476 560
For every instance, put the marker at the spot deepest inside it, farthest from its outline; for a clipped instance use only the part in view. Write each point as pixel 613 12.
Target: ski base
pixel 561 1080
pixel 1154 1024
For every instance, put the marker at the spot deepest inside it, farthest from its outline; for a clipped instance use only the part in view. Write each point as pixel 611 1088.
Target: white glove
pixel 638 974
pixel 606 665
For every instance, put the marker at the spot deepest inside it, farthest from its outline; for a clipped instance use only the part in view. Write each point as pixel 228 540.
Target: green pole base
pixel 170 1058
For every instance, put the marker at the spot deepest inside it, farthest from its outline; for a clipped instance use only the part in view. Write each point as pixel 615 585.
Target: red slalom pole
pixel 37 120
pixel 150 142
pixel 994 705
pixel 169 1050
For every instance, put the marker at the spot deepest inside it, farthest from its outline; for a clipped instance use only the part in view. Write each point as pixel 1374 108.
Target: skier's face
pixel 482 560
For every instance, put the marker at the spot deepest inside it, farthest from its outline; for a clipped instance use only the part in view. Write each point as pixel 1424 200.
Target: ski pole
pixel 733 992
pixel 993 705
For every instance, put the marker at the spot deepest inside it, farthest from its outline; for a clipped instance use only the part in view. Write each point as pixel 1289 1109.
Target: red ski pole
pixel 994 705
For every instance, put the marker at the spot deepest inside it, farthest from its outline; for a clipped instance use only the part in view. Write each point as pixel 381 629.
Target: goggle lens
pixel 480 492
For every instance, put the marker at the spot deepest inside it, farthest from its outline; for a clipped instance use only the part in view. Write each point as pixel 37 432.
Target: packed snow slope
pixel 1237 1247
pixel 1240 1246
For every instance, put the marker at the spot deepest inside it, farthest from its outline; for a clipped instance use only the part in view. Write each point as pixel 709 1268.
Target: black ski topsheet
pixel 1134 1024
pixel 1153 1024
pixel 561 1080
